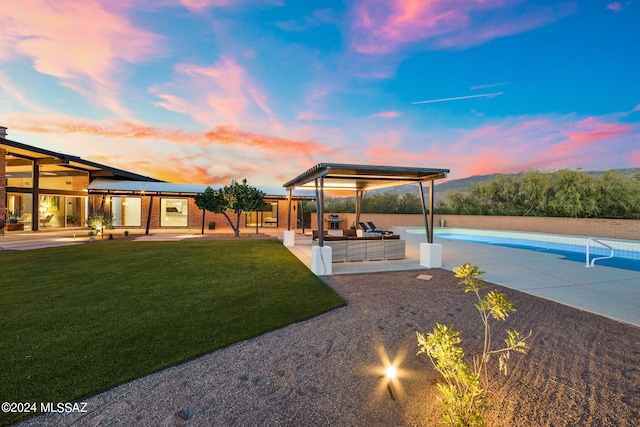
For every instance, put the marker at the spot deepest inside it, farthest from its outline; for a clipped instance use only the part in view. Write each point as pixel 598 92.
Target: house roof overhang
pixel 41 156
pixel 350 177
pixel 123 187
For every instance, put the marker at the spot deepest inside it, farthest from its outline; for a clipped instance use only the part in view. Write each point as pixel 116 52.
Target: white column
pixel 321 260
pixel 289 238
pixel 431 255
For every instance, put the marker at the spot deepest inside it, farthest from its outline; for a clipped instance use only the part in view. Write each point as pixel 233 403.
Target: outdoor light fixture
pixel 389 373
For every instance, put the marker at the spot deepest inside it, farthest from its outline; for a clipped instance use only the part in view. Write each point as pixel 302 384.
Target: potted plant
pixel 212 225
pixel 13 217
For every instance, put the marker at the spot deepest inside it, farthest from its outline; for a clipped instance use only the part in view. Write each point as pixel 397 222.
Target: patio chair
pixel 364 227
pixel 378 230
pixel 2 224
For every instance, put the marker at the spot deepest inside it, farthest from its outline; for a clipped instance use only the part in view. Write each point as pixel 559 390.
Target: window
pixel 20 210
pixel 76 213
pixel 56 177
pixel 19 172
pixel 51 211
pixel 174 213
pixel 265 217
pixel 126 211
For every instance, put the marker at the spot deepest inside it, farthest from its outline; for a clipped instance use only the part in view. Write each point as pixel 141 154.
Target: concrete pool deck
pixel 609 292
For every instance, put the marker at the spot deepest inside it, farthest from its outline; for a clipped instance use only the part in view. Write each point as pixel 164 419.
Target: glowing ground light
pixel 391 372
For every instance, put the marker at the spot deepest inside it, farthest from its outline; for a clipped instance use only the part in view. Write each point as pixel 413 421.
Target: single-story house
pixel 42 189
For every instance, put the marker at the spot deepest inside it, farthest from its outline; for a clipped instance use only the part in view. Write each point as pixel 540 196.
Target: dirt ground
pixel 582 369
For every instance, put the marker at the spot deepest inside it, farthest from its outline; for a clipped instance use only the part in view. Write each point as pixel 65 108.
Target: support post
pixel 320 209
pixel 424 214
pixel 301 213
pixel 288 238
pixel 149 215
pixel 289 210
pixel 35 199
pixel 359 194
pixel 430 253
pixel 431 211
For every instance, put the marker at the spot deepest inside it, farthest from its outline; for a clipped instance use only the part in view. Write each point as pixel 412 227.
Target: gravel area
pixel 582 369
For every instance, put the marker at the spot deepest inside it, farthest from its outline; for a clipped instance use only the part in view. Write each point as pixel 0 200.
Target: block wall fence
pixel 592 227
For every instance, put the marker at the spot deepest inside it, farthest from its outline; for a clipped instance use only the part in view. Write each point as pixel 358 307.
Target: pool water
pixel 572 248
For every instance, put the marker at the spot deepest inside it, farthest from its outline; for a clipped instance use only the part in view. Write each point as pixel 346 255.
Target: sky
pixel 203 91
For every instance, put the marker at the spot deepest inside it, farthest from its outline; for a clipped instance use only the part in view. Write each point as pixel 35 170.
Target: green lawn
pixel 80 319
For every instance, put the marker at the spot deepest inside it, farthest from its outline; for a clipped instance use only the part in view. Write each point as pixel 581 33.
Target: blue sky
pixel 209 90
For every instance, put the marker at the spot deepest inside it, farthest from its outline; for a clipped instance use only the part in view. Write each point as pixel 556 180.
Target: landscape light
pixel 391 372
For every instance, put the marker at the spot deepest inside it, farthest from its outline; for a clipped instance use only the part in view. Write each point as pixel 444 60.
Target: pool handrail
pixel 592 264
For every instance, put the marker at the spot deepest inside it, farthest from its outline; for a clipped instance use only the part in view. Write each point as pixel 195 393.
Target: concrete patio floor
pixel 610 292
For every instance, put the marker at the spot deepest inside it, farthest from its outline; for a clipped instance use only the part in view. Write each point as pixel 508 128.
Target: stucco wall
pixel 595 227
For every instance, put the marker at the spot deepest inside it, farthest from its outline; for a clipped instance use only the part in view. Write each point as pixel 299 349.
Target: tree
pixel 618 196
pixel 574 194
pixel 536 189
pixel 237 198
pixel 564 193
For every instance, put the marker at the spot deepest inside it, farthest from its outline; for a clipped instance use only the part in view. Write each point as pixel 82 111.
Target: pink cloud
pixel 309 115
pixel 80 43
pixel 616 6
pixel 591 130
pixel 220 93
pixel 223 136
pixel 388 114
pixel 382 26
pixel 513 145
pixel 176 155
pixel 203 5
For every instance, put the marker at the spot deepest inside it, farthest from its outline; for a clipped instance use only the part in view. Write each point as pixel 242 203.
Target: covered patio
pixel 335 177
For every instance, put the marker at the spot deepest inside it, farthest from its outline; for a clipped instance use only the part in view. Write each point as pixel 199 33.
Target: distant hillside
pixel 462 184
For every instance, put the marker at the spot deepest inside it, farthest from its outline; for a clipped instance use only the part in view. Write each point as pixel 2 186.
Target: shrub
pixel 100 220
pixel 465 386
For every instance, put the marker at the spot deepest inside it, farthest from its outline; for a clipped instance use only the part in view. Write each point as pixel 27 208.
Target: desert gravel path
pixel 583 369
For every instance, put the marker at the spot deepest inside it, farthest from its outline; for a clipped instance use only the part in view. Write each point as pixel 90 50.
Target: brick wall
pixel 283 213
pixel 195 214
pixel 595 227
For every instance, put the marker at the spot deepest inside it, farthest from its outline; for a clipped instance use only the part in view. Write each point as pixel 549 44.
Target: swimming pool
pixel 573 248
